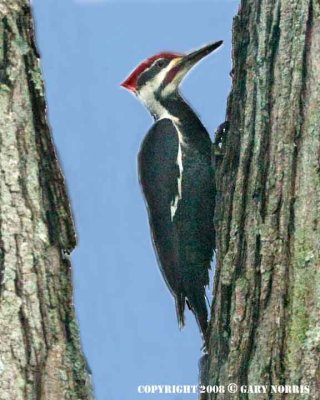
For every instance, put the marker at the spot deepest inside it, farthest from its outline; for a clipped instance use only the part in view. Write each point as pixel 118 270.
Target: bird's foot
pixel 220 139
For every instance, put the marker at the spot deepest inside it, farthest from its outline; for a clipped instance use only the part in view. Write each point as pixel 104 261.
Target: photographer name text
pixel 230 388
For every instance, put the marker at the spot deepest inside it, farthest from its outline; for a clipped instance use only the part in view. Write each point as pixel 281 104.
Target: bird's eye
pixel 160 63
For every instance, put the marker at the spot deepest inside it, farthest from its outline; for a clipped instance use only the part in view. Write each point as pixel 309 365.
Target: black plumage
pixel 184 242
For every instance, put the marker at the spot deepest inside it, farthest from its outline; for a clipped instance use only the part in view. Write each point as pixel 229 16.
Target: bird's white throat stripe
pixel 147 93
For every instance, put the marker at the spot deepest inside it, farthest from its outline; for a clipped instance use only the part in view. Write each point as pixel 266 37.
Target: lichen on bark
pixel 40 352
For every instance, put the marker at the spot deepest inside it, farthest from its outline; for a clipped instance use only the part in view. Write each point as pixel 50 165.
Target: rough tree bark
pixel 40 353
pixel 265 326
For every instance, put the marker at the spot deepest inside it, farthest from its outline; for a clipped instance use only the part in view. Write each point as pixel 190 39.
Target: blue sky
pixel 126 314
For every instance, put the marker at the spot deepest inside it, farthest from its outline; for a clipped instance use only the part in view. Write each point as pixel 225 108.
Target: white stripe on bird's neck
pixel 146 93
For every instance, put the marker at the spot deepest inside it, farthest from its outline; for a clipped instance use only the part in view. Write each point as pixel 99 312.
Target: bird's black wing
pixel 158 173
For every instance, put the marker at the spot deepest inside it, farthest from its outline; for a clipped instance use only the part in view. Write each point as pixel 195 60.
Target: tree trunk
pixel 265 324
pixel 40 353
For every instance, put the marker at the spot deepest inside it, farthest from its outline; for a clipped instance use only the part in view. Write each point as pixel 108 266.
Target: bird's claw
pixel 220 139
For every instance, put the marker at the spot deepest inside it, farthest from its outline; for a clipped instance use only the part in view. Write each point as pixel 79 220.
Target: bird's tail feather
pixel 196 298
pixel 180 303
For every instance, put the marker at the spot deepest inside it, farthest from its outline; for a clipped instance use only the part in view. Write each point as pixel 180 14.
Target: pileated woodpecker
pixel 176 176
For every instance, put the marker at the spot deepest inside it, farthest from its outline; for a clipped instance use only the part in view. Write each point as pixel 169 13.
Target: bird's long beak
pixel 192 58
pixel 185 63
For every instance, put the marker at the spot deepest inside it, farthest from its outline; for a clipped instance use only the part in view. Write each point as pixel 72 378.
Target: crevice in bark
pixel 5 29
pixel 1 261
pixel 42 305
pixel 245 172
pixel 254 323
pixel 267 298
pixel 273 44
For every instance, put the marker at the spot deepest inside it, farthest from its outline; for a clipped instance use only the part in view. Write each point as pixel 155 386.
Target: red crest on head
pixel 131 82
